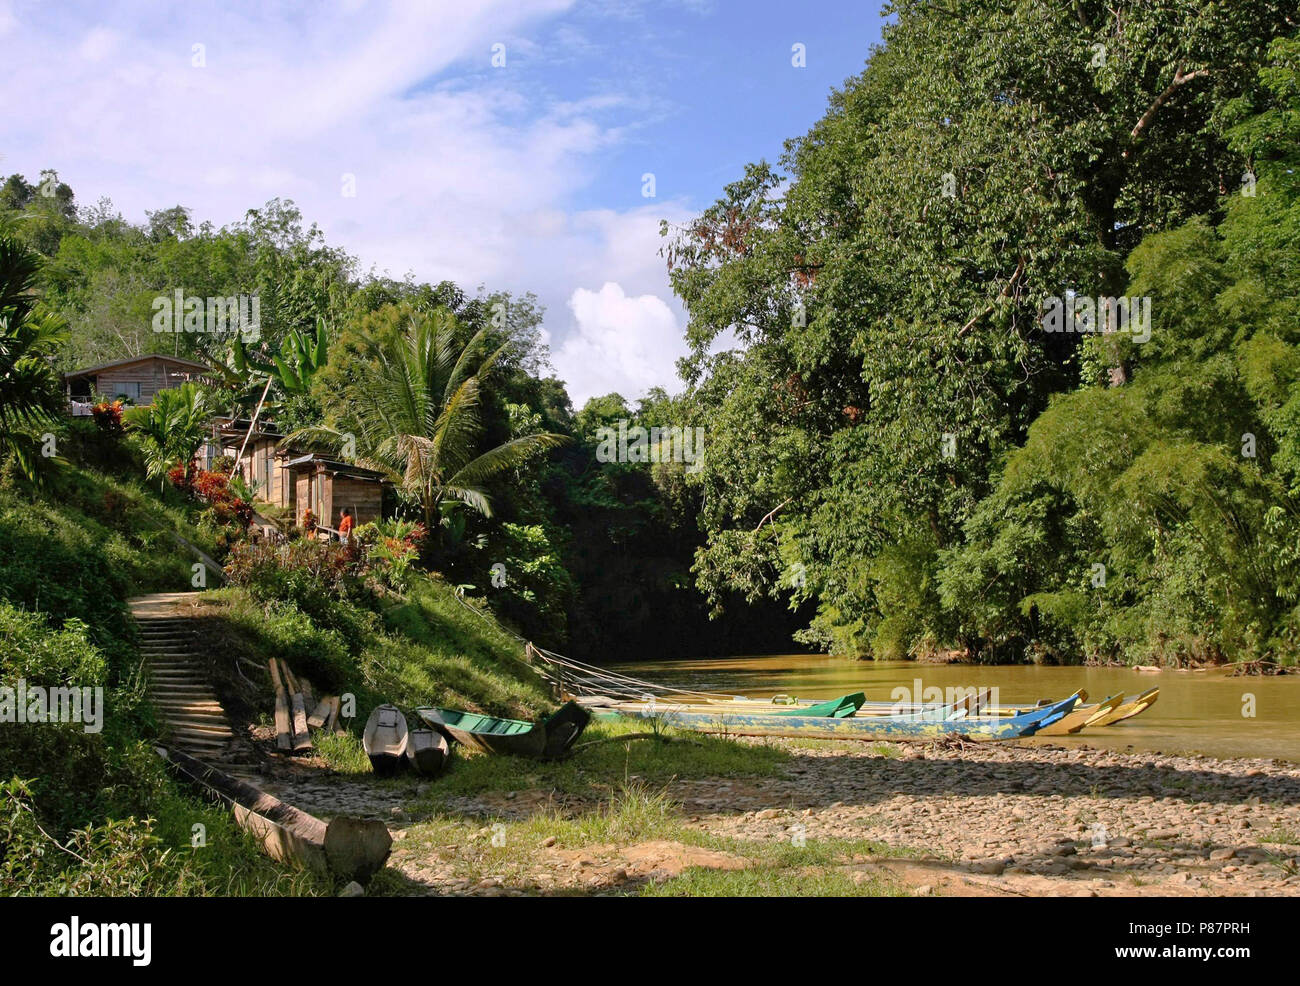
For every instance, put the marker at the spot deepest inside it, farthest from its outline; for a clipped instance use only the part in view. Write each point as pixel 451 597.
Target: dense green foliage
pixel 900 441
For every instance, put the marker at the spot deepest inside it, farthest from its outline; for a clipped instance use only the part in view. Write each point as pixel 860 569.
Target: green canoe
pixel 836 708
pixel 548 739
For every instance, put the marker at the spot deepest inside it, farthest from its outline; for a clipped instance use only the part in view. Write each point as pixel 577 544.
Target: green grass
pixel 453 655
pixel 1279 835
pixel 887 750
pixel 342 752
pixel 598 769
pixel 766 881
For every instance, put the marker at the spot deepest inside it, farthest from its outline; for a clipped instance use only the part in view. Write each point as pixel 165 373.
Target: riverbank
pixel 833 818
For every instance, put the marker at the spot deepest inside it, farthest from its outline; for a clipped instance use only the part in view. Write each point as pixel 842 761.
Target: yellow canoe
pixel 1081 717
pixel 1128 709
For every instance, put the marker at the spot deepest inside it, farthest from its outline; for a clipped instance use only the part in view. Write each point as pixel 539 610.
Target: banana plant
pixel 301 356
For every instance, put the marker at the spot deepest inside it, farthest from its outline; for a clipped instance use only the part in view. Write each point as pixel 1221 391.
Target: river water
pixel 1197 712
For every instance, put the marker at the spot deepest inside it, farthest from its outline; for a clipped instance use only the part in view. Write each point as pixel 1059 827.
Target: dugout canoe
pixel 548 739
pixel 385 739
pixel 1080 716
pixel 350 848
pixel 944 721
pixel 428 751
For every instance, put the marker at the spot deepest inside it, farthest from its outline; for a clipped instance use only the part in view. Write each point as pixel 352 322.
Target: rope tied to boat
pixel 585 679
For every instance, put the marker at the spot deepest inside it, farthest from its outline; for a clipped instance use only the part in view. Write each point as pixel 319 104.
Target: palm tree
pixel 30 391
pixel 415 415
pixel 173 428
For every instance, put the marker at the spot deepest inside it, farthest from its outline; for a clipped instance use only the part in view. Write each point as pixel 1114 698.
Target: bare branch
pixel 1180 80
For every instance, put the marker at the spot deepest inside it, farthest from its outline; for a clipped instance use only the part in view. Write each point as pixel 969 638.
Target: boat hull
pixel 1128 709
pixel 428 751
pixel 909 727
pixel 385 738
pixel 549 739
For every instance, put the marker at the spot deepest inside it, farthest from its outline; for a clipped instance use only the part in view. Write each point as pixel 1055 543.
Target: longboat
pixel 385 739
pixel 547 739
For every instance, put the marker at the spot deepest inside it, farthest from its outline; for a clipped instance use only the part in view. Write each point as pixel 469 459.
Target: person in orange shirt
pixel 345 525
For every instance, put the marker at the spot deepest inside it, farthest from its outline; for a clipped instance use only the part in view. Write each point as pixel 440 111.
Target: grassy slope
pixel 73 555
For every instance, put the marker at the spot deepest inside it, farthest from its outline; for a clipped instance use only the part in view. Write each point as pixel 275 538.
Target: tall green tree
pixel 886 282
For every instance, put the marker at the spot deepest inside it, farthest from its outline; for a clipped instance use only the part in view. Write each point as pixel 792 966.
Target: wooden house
pixel 293 479
pixel 134 380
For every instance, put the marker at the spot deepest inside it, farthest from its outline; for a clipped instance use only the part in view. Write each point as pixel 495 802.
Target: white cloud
pixel 621 343
pixel 462 171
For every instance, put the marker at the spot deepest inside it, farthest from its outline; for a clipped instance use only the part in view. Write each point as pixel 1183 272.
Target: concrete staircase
pixel 178 683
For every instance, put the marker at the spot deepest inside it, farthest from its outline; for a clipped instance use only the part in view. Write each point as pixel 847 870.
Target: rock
pixel 767 813
pixel 990 867
pixel 353 889
pixel 1221 855
pixel 548 842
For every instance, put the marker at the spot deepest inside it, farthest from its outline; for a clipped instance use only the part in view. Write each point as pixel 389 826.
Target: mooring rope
pixel 606 682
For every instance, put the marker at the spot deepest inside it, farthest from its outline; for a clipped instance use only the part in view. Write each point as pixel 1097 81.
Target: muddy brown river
pixel 1197 712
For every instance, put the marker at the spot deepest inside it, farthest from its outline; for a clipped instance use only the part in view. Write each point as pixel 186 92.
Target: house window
pixel 129 389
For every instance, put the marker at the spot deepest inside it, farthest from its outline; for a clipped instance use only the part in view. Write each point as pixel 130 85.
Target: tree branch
pixel 1006 291
pixel 772 513
pixel 1180 80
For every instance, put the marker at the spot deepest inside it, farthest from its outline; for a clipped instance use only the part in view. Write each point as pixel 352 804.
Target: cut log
pixel 283 741
pixel 351 848
pixel 298 711
pixel 358 846
pixel 320 714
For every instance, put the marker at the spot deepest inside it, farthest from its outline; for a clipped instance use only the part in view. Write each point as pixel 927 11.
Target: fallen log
pixel 333 725
pixel 283 741
pixel 350 848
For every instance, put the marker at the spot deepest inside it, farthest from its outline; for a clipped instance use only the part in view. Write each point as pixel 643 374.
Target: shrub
pixel 319 578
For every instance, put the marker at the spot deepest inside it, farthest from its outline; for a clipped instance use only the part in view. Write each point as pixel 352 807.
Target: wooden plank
pixel 320 714
pixel 283 741
pixel 333 724
pixel 298 709
pixel 351 848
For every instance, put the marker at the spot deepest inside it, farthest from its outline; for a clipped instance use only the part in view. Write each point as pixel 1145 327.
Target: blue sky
pixel 526 176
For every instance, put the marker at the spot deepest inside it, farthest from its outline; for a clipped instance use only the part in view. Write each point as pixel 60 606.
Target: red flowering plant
pixel 212 488
pixel 108 416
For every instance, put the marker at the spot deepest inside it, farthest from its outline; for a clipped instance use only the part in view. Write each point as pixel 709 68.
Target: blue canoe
pixel 927 724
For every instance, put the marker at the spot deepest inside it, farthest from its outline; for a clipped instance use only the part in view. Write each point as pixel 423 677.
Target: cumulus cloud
pixel 620 342
pixel 461 171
